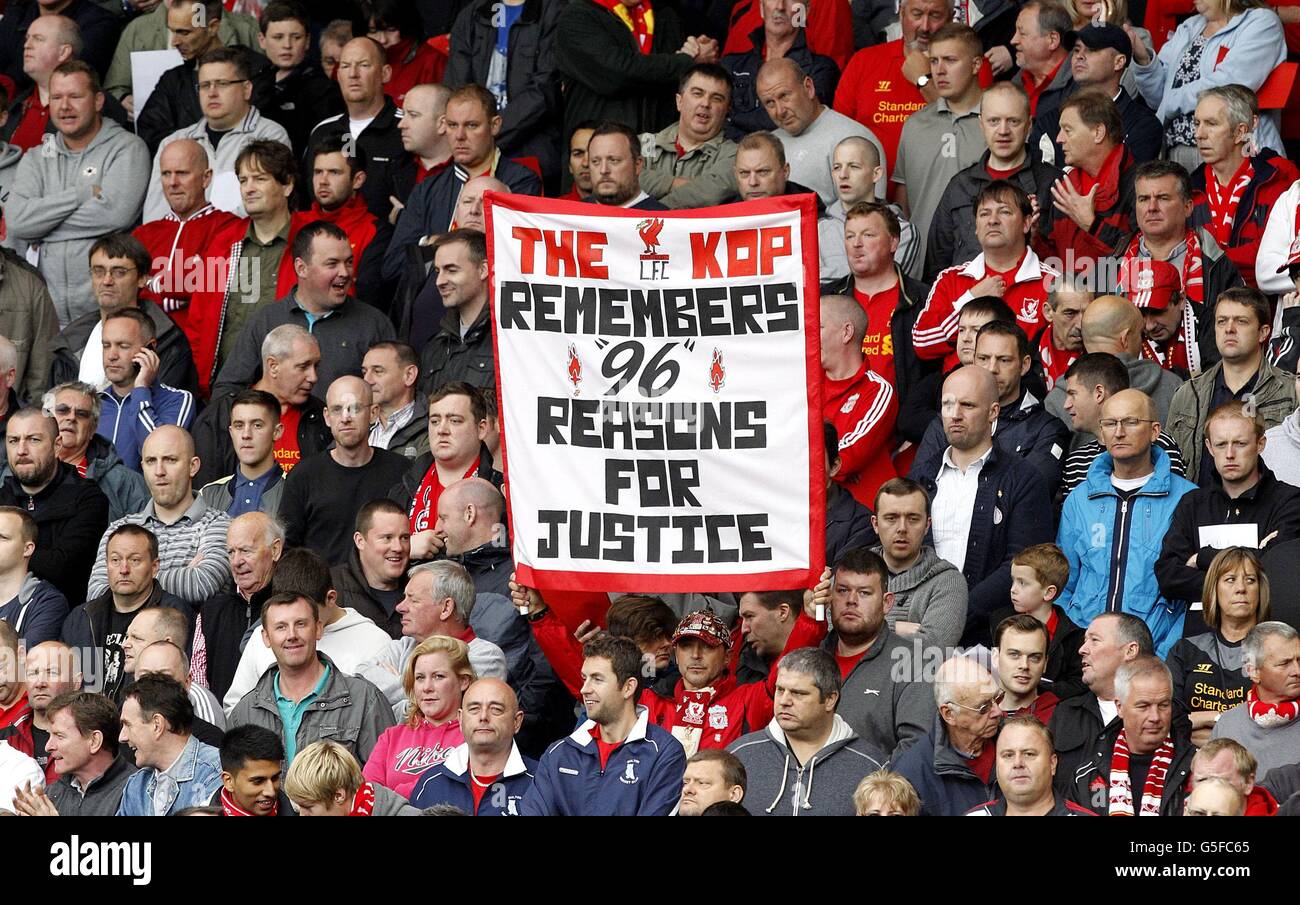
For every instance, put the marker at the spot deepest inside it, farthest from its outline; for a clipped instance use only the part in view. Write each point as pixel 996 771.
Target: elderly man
pixel 951 768
pixel 1026 766
pixel 489 718
pixel 76 408
pixel 191 534
pixel 1227 760
pixel 1130 488
pixel 1138 765
pixel 289 357
pixel 1265 722
pixel 808 129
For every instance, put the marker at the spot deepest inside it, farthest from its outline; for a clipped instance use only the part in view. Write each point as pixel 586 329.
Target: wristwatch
pixel 923 81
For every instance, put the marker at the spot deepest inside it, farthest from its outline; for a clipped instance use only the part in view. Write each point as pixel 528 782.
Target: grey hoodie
pixel 9 157
pixel 1282 454
pixel 932 591
pixel 776 782
pixel 52 206
pixel 1143 374
pixel 886 699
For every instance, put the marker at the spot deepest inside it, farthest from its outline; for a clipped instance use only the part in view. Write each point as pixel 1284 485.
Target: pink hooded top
pixel 403 753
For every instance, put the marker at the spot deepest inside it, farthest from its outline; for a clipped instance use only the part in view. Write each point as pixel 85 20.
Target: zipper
pixel 1119 547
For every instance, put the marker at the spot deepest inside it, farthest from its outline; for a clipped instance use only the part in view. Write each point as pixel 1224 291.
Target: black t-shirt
pixel 215 137
pixel 112 634
pixel 321 498
pixel 1138 767
pixel 39 738
pixel 387 599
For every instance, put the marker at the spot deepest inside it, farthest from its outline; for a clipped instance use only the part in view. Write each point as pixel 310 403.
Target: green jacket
pixel 1274 397
pixel 149 32
pixel 711 168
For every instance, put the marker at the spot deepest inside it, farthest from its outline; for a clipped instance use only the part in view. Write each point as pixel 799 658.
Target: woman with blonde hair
pixel 435 676
pixel 885 794
pixel 325 780
pixel 1209 676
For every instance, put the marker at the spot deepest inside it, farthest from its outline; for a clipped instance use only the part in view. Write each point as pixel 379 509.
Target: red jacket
pixel 863 409
pixel 353 217
pixel 1261 803
pixel 1113 214
pixel 1273 176
pixel 16 730
pixel 724 712
pixel 412 64
pixel 934 334
pixel 177 249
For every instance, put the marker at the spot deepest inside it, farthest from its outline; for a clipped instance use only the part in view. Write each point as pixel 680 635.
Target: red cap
pixel 707 627
pixel 1293 258
pixel 1149 283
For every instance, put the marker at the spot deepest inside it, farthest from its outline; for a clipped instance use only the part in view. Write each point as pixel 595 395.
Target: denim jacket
pixel 197 774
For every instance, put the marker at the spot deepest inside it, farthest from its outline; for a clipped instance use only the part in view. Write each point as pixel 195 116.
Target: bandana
pixel 1121 789
pixel 640 21
pixel 1223 201
pixel 363 805
pixel 1270 716
pixel 230 809
pixel 1179 353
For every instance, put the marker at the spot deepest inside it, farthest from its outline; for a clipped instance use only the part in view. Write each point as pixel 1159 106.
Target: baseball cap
pixel 1149 283
pixel 1293 256
pixel 1095 37
pixel 706 626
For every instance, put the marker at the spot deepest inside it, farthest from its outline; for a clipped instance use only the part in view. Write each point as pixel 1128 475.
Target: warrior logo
pixel 717 373
pixel 575 369
pixel 649 231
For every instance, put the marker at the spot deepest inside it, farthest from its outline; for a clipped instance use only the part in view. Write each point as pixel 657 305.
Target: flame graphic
pixel 575 368
pixel 717 373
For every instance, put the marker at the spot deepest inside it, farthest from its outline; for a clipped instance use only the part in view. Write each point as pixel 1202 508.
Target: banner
pixel 660 392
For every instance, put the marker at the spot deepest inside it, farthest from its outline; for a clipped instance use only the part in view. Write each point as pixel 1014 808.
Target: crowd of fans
pixel 253 548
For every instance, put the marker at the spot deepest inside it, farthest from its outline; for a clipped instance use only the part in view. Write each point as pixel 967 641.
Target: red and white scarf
pixel 1055 361
pixel 363 804
pixel 1223 201
pixel 640 20
pixel 1270 716
pixel 230 809
pixel 1120 801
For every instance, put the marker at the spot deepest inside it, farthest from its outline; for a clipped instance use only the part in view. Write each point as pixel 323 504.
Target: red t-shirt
pixel 1002 174
pixel 847 663
pixel 605 748
pixel 287 452
pixel 479 785
pixel 983 762
pixel 1035 89
pixel 878 341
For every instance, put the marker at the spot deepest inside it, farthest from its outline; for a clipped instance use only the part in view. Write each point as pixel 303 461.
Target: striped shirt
pixel 201 529
pixel 1078 462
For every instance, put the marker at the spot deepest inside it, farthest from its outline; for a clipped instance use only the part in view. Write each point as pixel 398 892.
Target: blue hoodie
pixel 449 783
pixel 37 613
pixel 642 779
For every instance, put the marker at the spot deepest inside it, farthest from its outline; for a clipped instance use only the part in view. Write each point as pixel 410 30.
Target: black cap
pixel 1095 37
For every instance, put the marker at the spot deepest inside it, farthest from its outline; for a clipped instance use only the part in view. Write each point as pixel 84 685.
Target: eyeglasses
pixel 221 84
pixel 63 411
pixel 118 273
pixel 995 701
pixel 1130 424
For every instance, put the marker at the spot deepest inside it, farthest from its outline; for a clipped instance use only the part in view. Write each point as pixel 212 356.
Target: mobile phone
pixel 135 366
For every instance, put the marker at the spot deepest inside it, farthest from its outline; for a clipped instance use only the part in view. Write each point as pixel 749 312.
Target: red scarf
pixel 1223 202
pixel 1179 353
pixel 1055 361
pixel 640 20
pixel 1270 716
pixel 363 805
pixel 230 809
pixel 1121 788
pixel 424 505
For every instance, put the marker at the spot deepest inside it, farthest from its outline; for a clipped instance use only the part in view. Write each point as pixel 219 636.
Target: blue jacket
pixel 126 422
pixel 1087 537
pixel 945 783
pixel 449 783
pixel 1013 510
pixel 37 613
pixel 197 774
pixel 642 779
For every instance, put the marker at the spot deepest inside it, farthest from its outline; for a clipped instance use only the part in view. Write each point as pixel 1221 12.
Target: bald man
pixel 1214 797
pixel 987 506
pixel 471 522
pixel 324 492
pixel 859 402
pixel 469 207
pixel 1113 523
pixel 807 128
pixel 855 169
pixel 1114 325
pixel 425 141
pixel 371 121
pixel 165 656
pixel 191 535
pixel 489 719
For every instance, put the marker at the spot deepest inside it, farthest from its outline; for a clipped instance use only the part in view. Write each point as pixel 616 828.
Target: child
pixel 1038 574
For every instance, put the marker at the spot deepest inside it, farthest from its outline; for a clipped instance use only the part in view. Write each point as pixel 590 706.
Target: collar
pixel 273 474
pixel 312 695
pixel 457 761
pixel 1030 269
pixel 582 735
pixel 176 218
pixel 980 462
pixel 942 105
pixel 193 513
pixel 401 416
pixel 311 317
pixel 641 196
pixel 182 769
pixel 1179 250
pixel 250 235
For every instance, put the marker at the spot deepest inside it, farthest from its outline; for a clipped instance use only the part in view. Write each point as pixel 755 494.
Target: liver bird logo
pixel 717 373
pixel 574 369
pixel 649 231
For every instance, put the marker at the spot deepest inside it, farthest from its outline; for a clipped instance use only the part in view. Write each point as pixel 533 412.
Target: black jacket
pixel 1271 505
pixel 99 34
pixel 176 358
pixel 226 620
pixel 1089 784
pixel 747 113
pixel 175 104
pixel 530 123
pixel 449 356
pixel 848 524
pixel 952 231
pixel 1063 676
pixel 1143 135
pixel 1281 562
pixel 1013 510
pixel 909 371
pixel 298 101
pixel 211 431
pixel 489 566
pixel 382 144
pixel 404 492
pixel 354 591
pixel 71 516
pixel 1075 724
pixel 82 628
pixel 605 75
